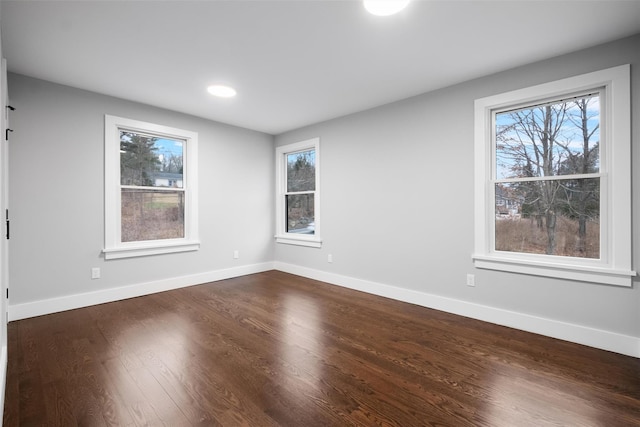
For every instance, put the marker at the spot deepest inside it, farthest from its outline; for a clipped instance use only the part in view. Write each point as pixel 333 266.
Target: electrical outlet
pixel 471 280
pixel 236 254
pixel 329 258
pixel 95 273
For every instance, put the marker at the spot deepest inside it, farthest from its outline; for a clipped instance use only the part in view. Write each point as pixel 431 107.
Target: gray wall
pixel 397 200
pixel 57 194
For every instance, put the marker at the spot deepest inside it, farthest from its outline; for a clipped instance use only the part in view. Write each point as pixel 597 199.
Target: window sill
pixel 601 275
pixel 298 240
pixel 139 250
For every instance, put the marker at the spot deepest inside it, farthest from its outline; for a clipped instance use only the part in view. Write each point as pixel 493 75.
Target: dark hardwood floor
pixel 273 349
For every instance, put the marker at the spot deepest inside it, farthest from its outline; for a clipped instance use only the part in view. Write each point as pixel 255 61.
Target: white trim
pixel 114 248
pixel 54 305
pixel 299 240
pixel 598 338
pixel 282 236
pixel 614 267
pixel 153 248
pixel 562 271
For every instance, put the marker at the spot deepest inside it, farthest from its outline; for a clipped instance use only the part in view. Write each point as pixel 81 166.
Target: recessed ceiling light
pixel 222 91
pixel 385 7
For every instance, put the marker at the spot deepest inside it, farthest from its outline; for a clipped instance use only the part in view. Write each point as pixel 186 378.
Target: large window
pixel 547 178
pixel 297 216
pixel 553 179
pixel 150 189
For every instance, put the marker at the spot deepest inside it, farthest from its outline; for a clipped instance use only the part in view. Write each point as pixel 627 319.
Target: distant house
pixel 167 179
pixel 508 203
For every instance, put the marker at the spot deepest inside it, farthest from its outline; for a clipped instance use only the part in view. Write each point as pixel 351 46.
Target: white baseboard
pixel 597 338
pixel 54 305
pixel 580 334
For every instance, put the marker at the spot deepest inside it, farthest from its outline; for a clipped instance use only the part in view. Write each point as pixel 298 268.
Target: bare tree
pixel 548 157
pixel 171 163
pixel 530 143
pixel 301 179
pixel 582 195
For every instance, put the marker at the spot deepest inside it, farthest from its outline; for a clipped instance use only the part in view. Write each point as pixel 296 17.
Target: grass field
pixel 524 235
pixel 152 215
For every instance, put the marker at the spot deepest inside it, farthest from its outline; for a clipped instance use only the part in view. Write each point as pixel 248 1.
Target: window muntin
pixel 609 170
pixel 297 207
pixel 547 178
pixel 150 189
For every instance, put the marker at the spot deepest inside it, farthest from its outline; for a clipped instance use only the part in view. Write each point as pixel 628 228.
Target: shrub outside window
pixel 150 196
pixel 553 179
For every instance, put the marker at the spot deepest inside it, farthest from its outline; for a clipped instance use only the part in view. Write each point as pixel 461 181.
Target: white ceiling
pixel 293 63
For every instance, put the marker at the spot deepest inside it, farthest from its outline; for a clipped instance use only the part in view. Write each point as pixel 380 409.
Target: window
pixel 547 178
pixel 298 192
pixel 150 189
pixel 553 179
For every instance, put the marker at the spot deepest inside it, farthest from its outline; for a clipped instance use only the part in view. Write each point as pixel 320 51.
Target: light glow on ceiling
pixel 222 91
pixel 385 7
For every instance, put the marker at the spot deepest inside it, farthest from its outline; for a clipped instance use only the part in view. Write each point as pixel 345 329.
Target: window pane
pixel 152 215
pixel 150 161
pixel 301 171
pixel 558 217
pixel 561 138
pixel 300 213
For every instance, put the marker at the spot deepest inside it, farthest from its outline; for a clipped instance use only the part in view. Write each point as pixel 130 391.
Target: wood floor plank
pixel 274 349
pixel 59 404
pixel 11 412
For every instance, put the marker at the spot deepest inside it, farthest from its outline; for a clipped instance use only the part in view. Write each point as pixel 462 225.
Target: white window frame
pixel 114 247
pixel 282 236
pixel 614 265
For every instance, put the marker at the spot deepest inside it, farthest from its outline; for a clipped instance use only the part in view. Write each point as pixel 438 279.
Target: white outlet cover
pixel 471 280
